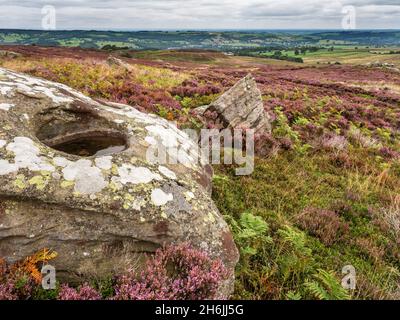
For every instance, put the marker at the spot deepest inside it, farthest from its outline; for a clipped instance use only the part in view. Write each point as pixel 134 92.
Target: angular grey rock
pixel 9 54
pixel 114 61
pixel 75 177
pixel 241 106
pixel 383 65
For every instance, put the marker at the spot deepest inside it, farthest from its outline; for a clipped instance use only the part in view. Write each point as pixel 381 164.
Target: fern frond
pixel 253 223
pixel 29 265
pixel 327 287
pixel 297 239
pixel 291 295
pixel 317 291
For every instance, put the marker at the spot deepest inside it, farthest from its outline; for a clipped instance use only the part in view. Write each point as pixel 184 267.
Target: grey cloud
pixel 199 14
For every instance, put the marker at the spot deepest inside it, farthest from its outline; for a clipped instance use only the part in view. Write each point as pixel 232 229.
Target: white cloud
pixel 199 14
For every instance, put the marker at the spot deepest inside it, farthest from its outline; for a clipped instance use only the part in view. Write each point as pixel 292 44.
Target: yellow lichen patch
pixel 210 218
pixel 128 201
pixel 129 197
pixel 45 173
pixel 114 169
pixel 20 182
pixel 131 203
pixel 164 215
pixel 39 182
pixel 67 184
pixel 114 186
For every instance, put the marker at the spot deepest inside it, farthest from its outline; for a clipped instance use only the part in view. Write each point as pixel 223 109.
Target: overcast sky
pixel 200 14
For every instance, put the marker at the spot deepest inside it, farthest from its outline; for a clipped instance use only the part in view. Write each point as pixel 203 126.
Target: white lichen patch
pixel 130 112
pixel 160 198
pixel 189 195
pixel 5 90
pixel 151 140
pixel 167 137
pixel 73 169
pixel 35 87
pixel 61 162
pixel 162 134
pixel 167 173
pixel 136 175
pixel 104 163
pixel 50 93
pixel 6 106
pixel 56 176
pixel 26 155
pixel 88 179
pixel 7 167
pixel 2 143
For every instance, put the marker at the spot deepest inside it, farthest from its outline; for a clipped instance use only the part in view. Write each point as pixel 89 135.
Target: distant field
pixel 341 54
pixel 352 56
pixel 177 55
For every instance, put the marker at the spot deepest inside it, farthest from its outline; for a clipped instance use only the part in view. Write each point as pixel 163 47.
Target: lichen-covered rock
pixel 240 107
pixel 75 177
pixel 383 65
pixel 9 54
pixel 114 61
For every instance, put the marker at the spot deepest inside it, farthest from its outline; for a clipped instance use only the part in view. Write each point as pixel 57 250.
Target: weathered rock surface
pixel 9 54
pixel 74 177
pixel 241 106
pixel 114 61
pixel 383 65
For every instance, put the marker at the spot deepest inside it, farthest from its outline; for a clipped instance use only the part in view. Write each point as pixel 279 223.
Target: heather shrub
pixel 84 292
pixel 18 286
pixel 324 224
pixel 389 153
pixel 334 142
pixel 193 89
pixel 174 273
pixel 265 144
pixel 341 159
pixel 368 247
pixel 7 291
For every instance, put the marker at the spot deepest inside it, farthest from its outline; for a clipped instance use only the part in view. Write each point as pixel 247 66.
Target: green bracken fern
pixel 326 287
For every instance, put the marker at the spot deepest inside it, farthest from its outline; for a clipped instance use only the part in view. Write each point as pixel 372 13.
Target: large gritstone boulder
pixel 75 177
pixel 240 107
pixel 9 54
